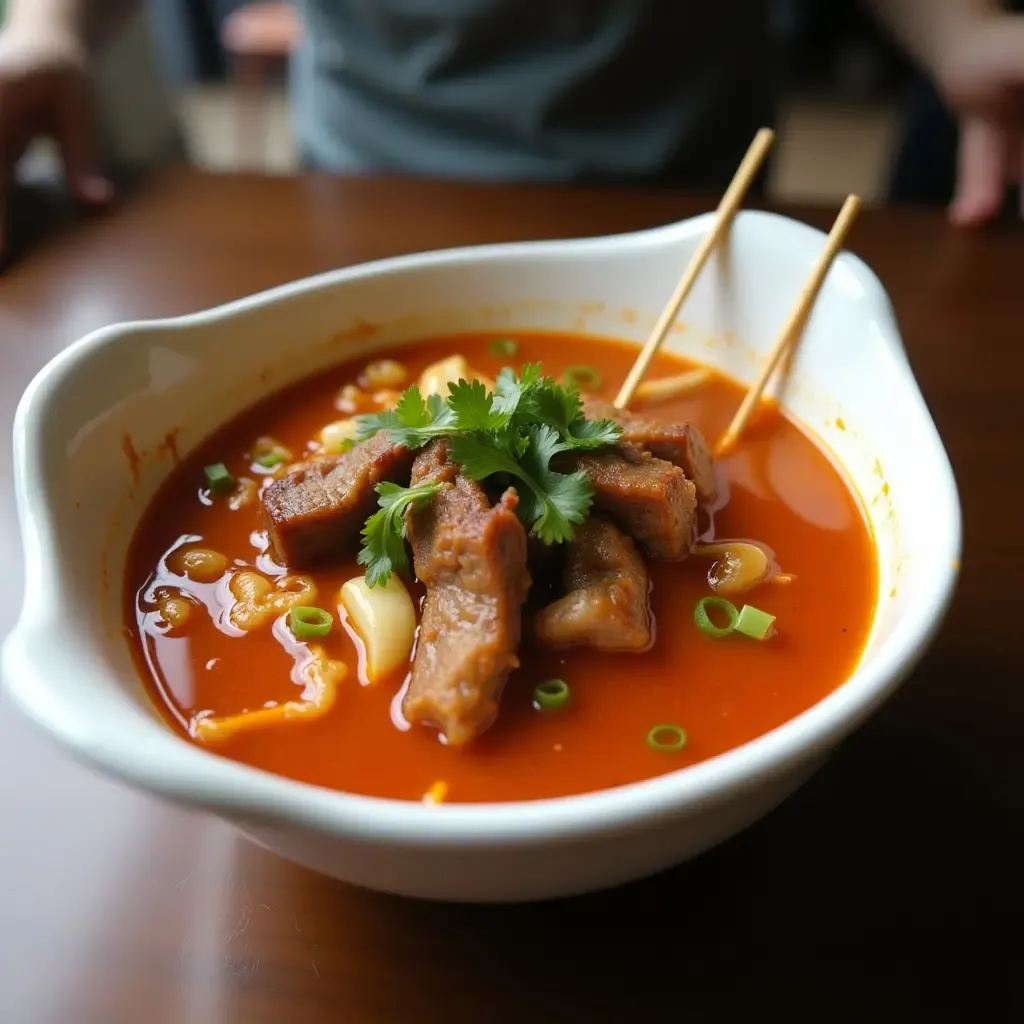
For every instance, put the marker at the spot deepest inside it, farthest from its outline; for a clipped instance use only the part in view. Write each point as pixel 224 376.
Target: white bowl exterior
pixel 127 386
pixel 548 869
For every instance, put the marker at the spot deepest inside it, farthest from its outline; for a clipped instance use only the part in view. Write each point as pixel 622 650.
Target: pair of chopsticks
pixel 791 331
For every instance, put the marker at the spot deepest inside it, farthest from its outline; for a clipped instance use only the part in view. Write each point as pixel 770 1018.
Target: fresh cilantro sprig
pixel 551 503
pixel 515 431
pixel 561 409
pixel 413 422
pixel 512 390
pixel 373 423
pixel 383 551
pixel 519 401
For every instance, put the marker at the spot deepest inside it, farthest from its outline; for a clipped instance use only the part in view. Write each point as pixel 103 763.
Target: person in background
pixel 627 91
pixel 59 63
pixel 925 166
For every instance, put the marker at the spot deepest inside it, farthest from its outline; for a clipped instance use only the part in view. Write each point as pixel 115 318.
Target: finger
pixel 74 126
pixel 982 173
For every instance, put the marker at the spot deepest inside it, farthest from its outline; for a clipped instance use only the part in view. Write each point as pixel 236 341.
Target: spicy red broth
pixel 783 491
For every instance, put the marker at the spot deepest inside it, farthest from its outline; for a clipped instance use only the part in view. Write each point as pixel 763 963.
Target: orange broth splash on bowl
pixel 783 491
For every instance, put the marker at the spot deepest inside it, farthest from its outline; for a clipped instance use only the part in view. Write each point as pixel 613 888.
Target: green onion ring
pixel 666 739
pixel 582 378
pixel 552 695
pixel 268 460
pixel 703 620
pixel 309 623
pixel 504 347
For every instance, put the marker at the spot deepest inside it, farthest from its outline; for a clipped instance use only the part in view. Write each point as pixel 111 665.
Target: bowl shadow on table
pixel 854 884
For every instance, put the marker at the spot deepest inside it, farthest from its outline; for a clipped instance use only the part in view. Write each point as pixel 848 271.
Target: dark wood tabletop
pixel 889 888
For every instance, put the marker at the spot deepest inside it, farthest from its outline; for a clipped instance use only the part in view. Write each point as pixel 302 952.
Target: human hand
pixel 983 81
pixel 45 89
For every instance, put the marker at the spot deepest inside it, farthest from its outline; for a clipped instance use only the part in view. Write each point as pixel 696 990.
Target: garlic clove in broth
pixel 739 566
pixel 384 619
pixel 336 438
pixel 384 373
pixel 435 378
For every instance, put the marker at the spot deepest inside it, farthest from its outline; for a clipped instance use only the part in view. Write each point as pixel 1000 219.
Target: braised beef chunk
pixel 648 498
pixel 472 559
pixel 605 604
pixel 682 444
pixel 317 512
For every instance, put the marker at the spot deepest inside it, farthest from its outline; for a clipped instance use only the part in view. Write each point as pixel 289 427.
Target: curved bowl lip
pixel 156 760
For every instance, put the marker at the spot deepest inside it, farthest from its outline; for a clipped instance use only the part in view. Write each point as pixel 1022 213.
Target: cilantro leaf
pixel 530 375
pixel 561 409
pixel 545 444
pixel 511 388
pixel 419 420
pixel 471 404
pixel 567 501
pixel 586 434
pixel 516 442
pixel 555 406
pixel 566 496
pixel 482 454
pixel 383 551
pixel 372 423
pixel 551 502
pixel 413 422
pixel 437 406
pixel 412 411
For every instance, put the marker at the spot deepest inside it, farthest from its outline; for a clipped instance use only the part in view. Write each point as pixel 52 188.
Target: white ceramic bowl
pixel 67 666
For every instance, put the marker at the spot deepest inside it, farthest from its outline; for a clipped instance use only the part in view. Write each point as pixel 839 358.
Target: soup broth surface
pixel 783 491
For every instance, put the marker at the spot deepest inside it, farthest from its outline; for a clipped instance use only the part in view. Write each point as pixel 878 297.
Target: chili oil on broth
pixel 784 492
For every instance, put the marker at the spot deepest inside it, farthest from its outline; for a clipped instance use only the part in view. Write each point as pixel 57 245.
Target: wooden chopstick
pixel 724 215
pixel 792 331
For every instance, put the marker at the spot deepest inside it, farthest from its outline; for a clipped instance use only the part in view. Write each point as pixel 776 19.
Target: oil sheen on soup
pixel 207 603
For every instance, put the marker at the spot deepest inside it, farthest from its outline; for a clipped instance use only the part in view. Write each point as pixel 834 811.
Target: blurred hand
pixel 45 89
pixel 983 80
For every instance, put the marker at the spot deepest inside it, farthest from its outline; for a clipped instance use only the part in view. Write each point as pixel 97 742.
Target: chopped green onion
pixel 308 623
pixel 756 624
pixel 551 695
pixel 748 621
pixel 666 739
pixel 703 619
pixel 268 460
pixel 582 378
pixel 218 479
pixel 267 453
pixel 504 347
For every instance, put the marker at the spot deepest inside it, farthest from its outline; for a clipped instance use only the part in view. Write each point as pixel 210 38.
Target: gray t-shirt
pixel 669 91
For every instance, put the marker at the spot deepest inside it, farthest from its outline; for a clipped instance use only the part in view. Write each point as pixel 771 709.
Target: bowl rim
pixel 157 760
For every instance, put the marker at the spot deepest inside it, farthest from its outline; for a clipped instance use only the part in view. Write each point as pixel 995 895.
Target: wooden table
pixel 877 891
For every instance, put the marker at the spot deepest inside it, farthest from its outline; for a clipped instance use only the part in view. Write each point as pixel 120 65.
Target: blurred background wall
pixel 844 87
